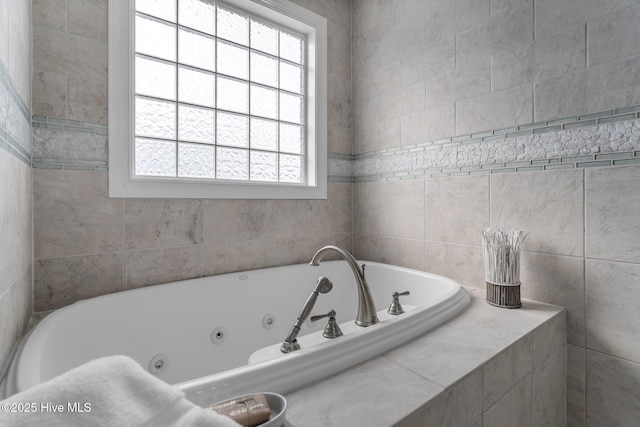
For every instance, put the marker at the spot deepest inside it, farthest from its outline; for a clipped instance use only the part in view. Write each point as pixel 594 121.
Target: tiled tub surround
pixel 424 73
pixel 581 253
pixel 15 174
pixel 488 366
pixel 479 87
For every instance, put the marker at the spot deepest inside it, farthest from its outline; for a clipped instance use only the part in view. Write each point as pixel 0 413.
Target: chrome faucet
pixel 367 315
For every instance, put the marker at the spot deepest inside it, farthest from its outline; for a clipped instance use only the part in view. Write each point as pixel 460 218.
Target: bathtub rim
pixel 260 376
pixel 455 301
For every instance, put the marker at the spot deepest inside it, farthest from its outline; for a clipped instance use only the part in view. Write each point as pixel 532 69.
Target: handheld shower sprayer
pixel 290 343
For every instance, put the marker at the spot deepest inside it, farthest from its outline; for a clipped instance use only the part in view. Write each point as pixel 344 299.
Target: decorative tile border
pixel 12 146
pixel 13 93
pixel 68 125
pixel 8 141
pixel 608 138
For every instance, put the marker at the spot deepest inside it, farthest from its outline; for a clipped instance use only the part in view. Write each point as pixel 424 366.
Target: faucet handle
pixel 332 330
pixel 330 314
pixel 395 308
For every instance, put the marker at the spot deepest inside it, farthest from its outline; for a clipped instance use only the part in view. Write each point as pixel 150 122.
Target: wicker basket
pixel 504 295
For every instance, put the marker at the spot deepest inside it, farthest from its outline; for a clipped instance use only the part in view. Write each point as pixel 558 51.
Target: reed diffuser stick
pixel 501 251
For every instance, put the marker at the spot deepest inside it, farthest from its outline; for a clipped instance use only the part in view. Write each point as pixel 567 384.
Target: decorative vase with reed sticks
pixel 501 251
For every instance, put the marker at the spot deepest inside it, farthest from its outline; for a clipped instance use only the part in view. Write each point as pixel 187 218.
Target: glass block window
pixel 219 94
pixel 217 99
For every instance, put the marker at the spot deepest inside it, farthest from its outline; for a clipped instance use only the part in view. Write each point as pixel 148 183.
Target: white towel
pixel 112 391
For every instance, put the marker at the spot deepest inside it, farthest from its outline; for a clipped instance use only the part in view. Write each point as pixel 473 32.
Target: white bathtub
pixel 201 333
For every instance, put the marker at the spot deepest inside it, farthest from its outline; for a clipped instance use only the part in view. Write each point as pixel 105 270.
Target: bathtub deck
pixel 488 365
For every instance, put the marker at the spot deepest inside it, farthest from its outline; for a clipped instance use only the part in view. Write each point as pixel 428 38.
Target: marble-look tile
pixel 73 214
pixel 339 63
pixel 557 280
pixel 492 321
pixel 49 94
pixel 376 136
pixel 576 386
pixel 426 126
pixel 339 113
pixel 365 247
pixel 50 13
pixel 228 257
pixel 339 140
pixel 401 209
pixel 548 338
pixel 553 16
pixel 158 223
pixel 504 370
pixel 15 219
pixel 468 340
pixel 20 48
pixel 462 263
pixel 466 81
pixel 549 391
pixel 530 200
pixel 340 168
pixel 87 101
pixel 18 125
pixel 612 294
pixel 332 401
pixel 4 101
pixel 457 209
pixel 503 6
pixel 402 252
pixel 155 266
pixel 612 391
pixel 434 60
pixel 59 144
pixel 514 409
pixel 365 212
pixel 288 218
pixel 614 36
pixel 88 18
pixel 68 54
pixel 453 17
pixel 598 88
pixel 502 32
pixel 375 77
pixel 294 250
pixel 612 202
pixel 542 59
pixel 459 405
pixel 412 98
pixel 62 281
pixel 430 356
pixel 497 110
pixel 233 220
pixel 4 32
pixel 15 311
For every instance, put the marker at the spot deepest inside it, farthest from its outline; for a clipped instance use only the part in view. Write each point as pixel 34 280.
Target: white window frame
pixel 122 182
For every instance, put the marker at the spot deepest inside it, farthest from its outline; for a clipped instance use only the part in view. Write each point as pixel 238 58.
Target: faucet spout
pixel 367 315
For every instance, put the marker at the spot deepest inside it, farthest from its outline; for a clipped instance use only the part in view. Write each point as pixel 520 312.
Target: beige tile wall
pixel 561 210
pixel 481 65
pixel 87 244
pixel 15 175
pixel 422 71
